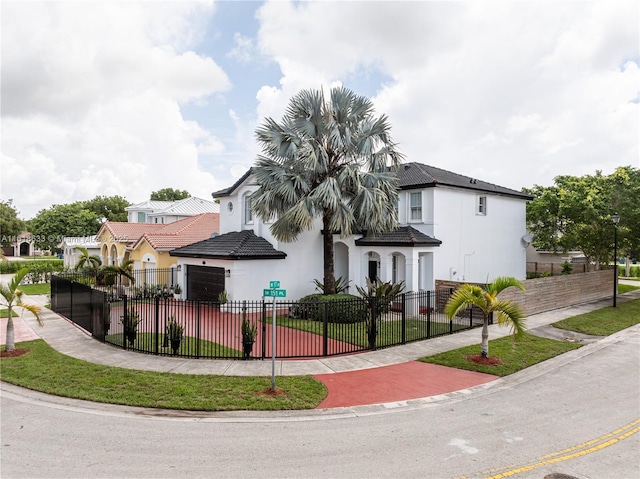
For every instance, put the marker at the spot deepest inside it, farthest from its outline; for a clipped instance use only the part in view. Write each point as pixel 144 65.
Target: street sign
pixel 274 293
pixel 274 284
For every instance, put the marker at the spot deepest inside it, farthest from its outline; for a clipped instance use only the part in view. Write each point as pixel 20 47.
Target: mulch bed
pixel 13 354
pixel 488 361
pixel 272 392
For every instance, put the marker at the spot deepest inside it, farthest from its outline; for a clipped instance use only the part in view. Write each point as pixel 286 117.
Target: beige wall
pixel 546 294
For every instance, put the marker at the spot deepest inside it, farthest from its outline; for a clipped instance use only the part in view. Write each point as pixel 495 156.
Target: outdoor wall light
pixel 227 273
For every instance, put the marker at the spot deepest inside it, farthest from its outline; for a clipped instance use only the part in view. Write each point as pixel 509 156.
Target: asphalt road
pixel 577 415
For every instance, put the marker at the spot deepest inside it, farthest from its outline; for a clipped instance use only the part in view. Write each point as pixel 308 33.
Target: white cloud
pixel 510 92
pixel 91 96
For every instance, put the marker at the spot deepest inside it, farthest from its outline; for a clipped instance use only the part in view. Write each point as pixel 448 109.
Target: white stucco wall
pixel 476 247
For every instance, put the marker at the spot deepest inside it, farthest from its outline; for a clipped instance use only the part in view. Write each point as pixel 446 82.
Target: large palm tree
pixel 469 295
pixel 12 298
pixel 86 260
pixel 329 158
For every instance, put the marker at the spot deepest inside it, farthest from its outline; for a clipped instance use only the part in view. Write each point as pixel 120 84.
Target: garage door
pixel 204 283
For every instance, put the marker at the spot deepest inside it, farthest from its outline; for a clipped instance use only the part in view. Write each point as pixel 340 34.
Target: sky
pixel 125 98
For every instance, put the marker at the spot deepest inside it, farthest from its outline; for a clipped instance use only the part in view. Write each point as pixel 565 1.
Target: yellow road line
pixel 559 456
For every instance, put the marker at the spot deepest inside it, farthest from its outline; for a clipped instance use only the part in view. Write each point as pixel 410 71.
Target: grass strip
pixel 515 354
pixel 44 369
pixel 605 321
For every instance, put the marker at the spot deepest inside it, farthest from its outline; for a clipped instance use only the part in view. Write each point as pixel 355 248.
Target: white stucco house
pixel 451 227
pixel 71 254
pixel 163 212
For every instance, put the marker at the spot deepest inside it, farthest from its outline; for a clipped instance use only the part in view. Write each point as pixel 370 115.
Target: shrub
pixel 341 308
pixel 35 266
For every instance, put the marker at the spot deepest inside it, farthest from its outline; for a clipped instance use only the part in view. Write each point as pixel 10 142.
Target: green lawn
pixel 189 346
pixel 625 288
pixel 389 332
pixel 40 288
pixel 44 369
pixel 517 355
pixel 604 322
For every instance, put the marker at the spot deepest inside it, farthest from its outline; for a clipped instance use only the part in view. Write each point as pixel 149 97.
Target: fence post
pixel 325 328
pixel 264 329
pixel 428 314
pixel 471 318
pixel 404 316
pixel 124 317
pixel 157 326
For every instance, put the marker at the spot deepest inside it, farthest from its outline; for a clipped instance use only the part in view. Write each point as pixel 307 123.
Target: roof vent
pixel 473 181
pixel 213 235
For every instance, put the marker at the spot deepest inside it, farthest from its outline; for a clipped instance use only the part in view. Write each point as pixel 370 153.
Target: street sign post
pixel 274 292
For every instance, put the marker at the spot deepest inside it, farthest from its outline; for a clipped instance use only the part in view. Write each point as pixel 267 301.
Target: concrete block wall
pixel 554 292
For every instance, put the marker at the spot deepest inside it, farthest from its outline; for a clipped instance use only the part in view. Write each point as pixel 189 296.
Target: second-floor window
pixel 482 205
pixel 248 213
pixel 142 217
pixel 415 206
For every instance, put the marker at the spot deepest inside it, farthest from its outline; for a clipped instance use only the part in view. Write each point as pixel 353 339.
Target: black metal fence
pixel 149 283
pixel 163 325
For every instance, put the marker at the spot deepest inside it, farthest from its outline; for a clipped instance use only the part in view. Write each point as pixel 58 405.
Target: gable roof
pixel 417 175
pixel 180 233
pixel 413 176
pixel 185 207
pixel 228 191
pixel 169 235
pixel 235 245
pixel 127 232
pixel 188 207
pixel 405 236
pixel 153 205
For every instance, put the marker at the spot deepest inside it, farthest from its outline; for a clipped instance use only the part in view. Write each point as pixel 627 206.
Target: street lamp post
pixel 616 220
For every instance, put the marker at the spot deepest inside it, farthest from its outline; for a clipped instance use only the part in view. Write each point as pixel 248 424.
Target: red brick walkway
pixel 399 382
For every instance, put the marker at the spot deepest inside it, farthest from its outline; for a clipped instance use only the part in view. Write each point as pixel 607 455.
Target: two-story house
pixel 163 212
pixel 451 227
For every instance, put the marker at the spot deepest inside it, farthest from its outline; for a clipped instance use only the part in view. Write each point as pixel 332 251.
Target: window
pixel 142 217
pixel 415 205
pixel 248 213
pixel 482 205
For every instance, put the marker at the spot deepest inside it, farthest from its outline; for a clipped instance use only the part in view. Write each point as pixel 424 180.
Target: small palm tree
pixel 123 269
pixel 469 295
pixel 12 298
pixel 86 260
pixel 378 296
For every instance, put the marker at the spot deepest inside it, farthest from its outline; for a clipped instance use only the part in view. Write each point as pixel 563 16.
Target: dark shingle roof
pixel 402 236
pixel 416 175
pixel 227 191
pixel 235 245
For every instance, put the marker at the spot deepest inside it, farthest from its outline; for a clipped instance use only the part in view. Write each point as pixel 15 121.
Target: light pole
pixel 616 220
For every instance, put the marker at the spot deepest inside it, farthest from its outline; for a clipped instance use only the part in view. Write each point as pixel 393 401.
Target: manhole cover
pixel 559 475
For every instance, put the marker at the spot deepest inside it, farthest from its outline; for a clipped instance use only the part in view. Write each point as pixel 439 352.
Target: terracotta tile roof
pixel 180 233
pixel 127 232
pixel 235 245
pixel 402 236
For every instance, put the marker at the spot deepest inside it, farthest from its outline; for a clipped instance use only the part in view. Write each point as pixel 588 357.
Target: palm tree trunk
pixel 327 240
pixel 11 341
pixel 485 337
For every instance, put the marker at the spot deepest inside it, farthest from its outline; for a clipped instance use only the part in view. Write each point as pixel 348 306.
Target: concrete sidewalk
pixel 373 377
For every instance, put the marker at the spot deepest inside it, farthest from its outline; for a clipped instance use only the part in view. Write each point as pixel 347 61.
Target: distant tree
pixel 575 214
pixel 50 226
pixel 108 208
pixel 169 194
pixel 10 225
pixel 330 158
pixel 469 295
